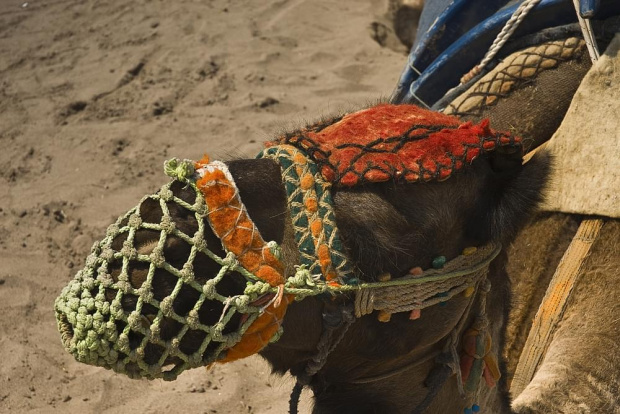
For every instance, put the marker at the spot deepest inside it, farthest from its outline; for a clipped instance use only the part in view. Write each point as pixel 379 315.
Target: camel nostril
pixel 66 330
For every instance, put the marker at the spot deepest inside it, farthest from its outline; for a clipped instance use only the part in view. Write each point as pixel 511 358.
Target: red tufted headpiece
pixel 401 142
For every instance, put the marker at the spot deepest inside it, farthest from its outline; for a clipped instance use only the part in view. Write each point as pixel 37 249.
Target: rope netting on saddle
pixel 512 73
pixel 185 279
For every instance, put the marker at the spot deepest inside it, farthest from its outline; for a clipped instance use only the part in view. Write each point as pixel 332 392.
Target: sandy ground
pixel 94 96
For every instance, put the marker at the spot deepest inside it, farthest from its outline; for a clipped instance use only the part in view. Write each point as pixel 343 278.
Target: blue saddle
pixel 454 35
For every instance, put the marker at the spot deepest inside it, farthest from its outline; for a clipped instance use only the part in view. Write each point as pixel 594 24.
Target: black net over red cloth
pixel 394 142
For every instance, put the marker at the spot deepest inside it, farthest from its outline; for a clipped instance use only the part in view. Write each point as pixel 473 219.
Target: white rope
pixel 503 36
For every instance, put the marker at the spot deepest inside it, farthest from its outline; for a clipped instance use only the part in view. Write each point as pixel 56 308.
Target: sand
pixel 94 96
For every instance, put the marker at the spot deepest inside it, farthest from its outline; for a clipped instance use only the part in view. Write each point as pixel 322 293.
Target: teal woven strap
pixel 302 217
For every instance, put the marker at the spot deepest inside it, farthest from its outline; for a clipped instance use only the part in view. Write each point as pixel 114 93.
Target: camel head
pixel 185 279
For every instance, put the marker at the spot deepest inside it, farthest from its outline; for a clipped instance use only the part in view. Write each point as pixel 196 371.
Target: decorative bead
pixel 468 251
pixel 475 408
pixel 468 411
pixel 415 314
pixel 384 277
pixel 384 316
pixel 416 271
pixel 444 302
pixel 439 262
pixel 469 291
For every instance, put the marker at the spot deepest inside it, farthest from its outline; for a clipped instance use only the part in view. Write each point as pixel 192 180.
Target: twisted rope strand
pixel 502 37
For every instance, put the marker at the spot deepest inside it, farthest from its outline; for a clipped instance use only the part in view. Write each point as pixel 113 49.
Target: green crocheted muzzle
pixel 123 311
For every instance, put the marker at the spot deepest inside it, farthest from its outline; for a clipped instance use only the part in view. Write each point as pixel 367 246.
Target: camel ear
pixel 511 196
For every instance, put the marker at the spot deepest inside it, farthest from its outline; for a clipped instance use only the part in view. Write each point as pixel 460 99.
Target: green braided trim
pixel 302 218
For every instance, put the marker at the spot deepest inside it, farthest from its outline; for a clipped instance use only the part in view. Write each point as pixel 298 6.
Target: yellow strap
pixel 554 303
pixel 491 362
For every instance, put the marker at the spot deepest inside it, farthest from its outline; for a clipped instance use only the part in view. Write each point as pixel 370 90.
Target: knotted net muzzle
pixel 143 329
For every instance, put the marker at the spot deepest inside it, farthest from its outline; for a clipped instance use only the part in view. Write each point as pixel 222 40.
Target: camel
pixel 391 228
pixel 389 363
pixel 387 227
